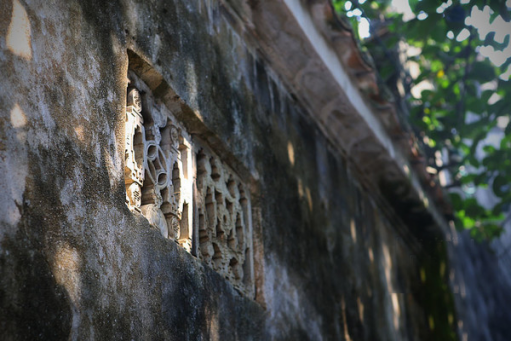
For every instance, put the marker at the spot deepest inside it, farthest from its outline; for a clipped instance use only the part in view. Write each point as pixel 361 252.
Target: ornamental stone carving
pixel 225 234
pixel 134 152
pixel 157 158
pixel 182 187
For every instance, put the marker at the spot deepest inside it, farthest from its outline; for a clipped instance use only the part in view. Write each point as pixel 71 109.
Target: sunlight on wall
pixel 18 35
pixel 309 198
pixel 347 336
pixel 80 133
pixel 18 121
pixel 213 325
pixel 360 309
pixel 353 231
pixel 18 118
pixel 396 309
pixel 291 153
pixel 406 169
pixel 66 265
pixel 388 266
pixel 300 188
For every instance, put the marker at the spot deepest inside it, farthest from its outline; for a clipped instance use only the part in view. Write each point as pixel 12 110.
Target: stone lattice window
pixel 158 162
pixel 225 233
pixel 185 190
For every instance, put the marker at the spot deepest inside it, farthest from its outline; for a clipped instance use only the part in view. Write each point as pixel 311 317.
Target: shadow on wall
pixel 34 306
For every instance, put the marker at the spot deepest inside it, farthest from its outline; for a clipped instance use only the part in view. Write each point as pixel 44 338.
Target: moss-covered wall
pixel 76 263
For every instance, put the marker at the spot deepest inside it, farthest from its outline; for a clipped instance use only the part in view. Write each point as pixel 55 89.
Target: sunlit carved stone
pixel 134 152
pixel 134 195
pixel 165 171
pixel 156 218
pixel 224 221
pixel 158 166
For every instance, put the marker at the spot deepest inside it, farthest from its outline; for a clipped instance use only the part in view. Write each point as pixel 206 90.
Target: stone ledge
pixel 316 56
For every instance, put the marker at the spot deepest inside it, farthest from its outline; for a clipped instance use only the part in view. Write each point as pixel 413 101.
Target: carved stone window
pixel 185 190
pixel 158 162
pixel 224 221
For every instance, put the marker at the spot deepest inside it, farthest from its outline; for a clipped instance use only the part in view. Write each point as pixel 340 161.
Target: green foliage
pixel 464 98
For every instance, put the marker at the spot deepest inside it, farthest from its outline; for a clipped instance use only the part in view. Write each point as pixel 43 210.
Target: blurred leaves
pixel 455 96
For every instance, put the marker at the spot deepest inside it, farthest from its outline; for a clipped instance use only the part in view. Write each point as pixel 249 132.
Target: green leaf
pixel 457 202
pixel 474 129
pixel 482 71
pixel 492 230
pixel 458 73
pixel 500 185
pixel 481 136
pixel 413 5
pixel 468 223
pixel 497 209
pixel 438 29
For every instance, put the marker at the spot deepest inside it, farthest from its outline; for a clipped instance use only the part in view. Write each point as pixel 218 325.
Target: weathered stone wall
pixel 481 280
pixel 76 263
